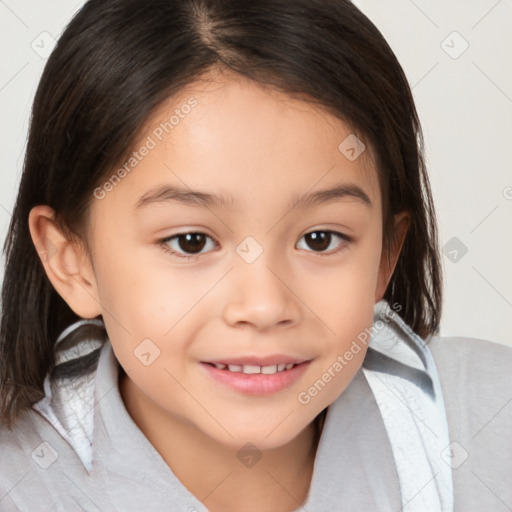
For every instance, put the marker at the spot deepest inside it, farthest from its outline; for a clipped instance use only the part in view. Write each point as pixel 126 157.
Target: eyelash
pixel 164 243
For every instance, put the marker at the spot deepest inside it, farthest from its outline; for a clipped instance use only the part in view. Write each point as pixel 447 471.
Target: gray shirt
pixel 354 467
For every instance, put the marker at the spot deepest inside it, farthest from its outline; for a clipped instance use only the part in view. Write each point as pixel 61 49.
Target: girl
pixel 222 287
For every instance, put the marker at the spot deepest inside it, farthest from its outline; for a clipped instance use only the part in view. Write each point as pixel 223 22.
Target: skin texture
pixel 262 148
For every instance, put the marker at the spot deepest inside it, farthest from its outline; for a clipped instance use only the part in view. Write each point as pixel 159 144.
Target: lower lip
pixel 257 383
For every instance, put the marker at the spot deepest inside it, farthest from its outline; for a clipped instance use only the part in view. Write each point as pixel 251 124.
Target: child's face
pixel 259 287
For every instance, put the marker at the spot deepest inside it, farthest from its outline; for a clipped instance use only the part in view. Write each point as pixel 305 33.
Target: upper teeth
pixel 249 368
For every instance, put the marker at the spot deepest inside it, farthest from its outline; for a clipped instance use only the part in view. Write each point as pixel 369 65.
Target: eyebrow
pixel 167 193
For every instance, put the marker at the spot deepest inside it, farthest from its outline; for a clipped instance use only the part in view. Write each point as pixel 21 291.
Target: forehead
pixel 248 143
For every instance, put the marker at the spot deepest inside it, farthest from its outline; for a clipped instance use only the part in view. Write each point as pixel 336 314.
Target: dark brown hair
pixel 118 60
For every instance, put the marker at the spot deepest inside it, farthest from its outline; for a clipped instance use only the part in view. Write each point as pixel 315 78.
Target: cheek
pixel 135 291
pixel 345 352
pixel 131 302
pixel 146 306
pixel 346 306
pixel 347 291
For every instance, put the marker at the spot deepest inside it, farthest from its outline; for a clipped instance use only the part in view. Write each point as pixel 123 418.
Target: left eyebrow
pixel 342 191
pixel 197 198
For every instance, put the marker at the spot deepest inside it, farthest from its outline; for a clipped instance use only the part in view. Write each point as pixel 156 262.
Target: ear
pixel 67 265
pixel 389 259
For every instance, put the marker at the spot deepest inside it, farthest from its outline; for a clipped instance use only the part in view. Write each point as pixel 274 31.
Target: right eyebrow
pixel 189 197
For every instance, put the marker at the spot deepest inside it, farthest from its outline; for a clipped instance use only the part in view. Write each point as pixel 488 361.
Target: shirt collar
pixel 397 350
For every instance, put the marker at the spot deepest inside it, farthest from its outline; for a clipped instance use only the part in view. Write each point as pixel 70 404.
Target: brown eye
pixel 320 241
pixel 187 244
pixel 192 242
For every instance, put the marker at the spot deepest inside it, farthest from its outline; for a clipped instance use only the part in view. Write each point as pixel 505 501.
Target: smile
pixel 254 379
pixel 254 369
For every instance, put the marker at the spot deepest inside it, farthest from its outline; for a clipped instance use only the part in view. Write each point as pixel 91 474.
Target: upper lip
pixel 269 360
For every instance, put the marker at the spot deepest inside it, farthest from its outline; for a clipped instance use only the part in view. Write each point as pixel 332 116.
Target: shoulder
pixel 475 375
pixel 18 450
pixel 467 348
pixel 476 383
pixel 481 357
pixel 472 367
pixel 18 442
pixel 33 459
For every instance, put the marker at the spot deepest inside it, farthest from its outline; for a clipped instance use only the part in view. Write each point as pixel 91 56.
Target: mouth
pixel 256 377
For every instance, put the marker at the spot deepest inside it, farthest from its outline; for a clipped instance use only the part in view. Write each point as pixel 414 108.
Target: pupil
pixel 194 242
pixel 319 240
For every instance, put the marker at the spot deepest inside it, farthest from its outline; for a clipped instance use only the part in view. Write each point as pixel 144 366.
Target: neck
pixel 278 481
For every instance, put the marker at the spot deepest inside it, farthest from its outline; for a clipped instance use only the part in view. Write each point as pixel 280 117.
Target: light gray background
pixel 464 99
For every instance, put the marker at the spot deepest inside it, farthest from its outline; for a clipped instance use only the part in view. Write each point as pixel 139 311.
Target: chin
pixel 267 437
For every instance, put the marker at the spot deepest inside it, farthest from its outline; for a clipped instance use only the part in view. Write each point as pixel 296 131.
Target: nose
pixel 261 295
